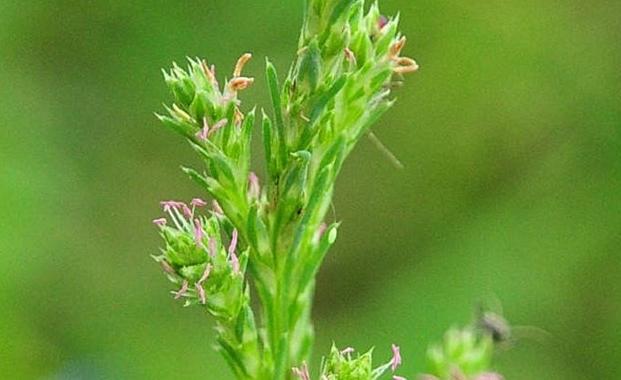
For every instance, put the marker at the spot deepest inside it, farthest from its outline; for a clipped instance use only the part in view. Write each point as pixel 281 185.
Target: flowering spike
pixel 337 86
pixel 396 358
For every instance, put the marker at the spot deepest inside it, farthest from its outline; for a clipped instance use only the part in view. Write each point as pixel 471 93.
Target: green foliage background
pixel 509 133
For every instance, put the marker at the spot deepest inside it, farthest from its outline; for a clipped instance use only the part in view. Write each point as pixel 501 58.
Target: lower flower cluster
pixel 201 257
pixel 464 354
pixel 346 364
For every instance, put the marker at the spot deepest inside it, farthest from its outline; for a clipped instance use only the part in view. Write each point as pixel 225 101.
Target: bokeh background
pixel 510 135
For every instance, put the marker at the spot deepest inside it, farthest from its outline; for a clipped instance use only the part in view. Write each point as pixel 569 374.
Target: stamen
pixel 350 56
pixel 396 48
pixel 166 267
pixel 182 291
pixel 233 244
pixel 205 274
pixel 161 222
pixel 302 372
pixel 240 83
pixel 218 125
pixel 201 293
pixel 241 62
pixel 396 358
pixel 203 133
pixel 197 202
pixel 198 232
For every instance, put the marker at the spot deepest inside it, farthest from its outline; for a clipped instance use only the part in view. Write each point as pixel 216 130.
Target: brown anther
pixel 396 48
pixel 240 83
pixel 241 62
pixel 239 116
pixel 349 55
pixel 405 65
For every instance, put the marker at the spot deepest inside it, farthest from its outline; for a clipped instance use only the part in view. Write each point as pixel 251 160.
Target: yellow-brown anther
pixel 241 62
pixel 405 65
pixel 396 48
pixel 349 55
pixel 240 83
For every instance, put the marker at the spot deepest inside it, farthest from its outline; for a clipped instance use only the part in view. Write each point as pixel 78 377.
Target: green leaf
pixel 271 161
pixel 272 82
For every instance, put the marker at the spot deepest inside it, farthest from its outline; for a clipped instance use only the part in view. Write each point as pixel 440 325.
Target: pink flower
pixel 347 351
pixel 197 202
pixel 198 231
pixel 181 292
pixel 396 358
pixel 398 378
pixel 161 222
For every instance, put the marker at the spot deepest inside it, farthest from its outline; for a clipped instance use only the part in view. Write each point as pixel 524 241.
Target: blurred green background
pixel 509 133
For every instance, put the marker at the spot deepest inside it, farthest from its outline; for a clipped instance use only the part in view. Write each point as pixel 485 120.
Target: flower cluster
pixel 346 364
pixel 463 355
pixel 201 257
